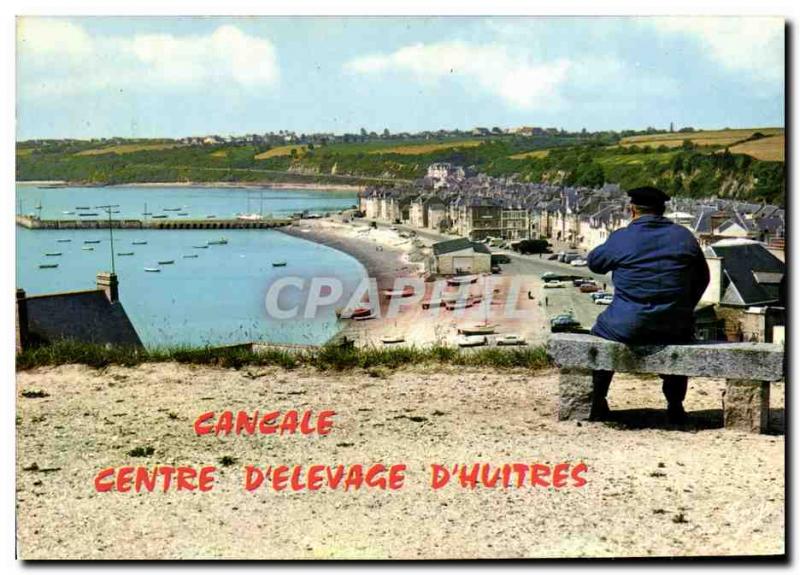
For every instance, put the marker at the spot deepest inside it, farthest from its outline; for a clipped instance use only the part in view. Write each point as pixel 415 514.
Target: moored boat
pixel 124 253
pixel 53 254
pixel 392 339
pixel 191 256
pixel 88 248
pixel 461 280
pixel 152 270
pixel 64 240
pixel 280 264
pixel 407 291
pixel 478 330
pixel 48 266
pixel 166 262
pixel 159 216
pixel 91 241
pixel 200 247
pixel 219 242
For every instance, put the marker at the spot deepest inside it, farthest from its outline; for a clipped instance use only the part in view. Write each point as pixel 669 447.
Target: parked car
pixel 471 340
pixel 598 294
pixel 496 269
pixel 578 262
pixel 564 323
pixel 589 288
pixel 553 284
pixel 509 339
pixel 552 257
pixel 605 300
pixel 578 282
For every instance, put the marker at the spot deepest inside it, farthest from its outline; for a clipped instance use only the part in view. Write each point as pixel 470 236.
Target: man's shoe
pixel 676 415
pixel 600 410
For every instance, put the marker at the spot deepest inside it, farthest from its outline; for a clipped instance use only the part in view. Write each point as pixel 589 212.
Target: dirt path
pixel 651 491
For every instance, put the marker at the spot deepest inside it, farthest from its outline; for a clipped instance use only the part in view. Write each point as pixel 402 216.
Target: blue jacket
pixel 659 275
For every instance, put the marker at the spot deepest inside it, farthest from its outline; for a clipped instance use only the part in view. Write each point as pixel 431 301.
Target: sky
pixel 181 76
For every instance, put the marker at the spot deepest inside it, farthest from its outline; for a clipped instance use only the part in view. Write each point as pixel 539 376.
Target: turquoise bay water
pixel 216 298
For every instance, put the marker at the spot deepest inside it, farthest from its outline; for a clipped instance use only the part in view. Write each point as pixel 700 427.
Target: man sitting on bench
pixel 659 275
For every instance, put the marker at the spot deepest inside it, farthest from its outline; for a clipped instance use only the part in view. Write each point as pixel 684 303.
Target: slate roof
pixel 85 316
pixel 457 245
pixel 743 264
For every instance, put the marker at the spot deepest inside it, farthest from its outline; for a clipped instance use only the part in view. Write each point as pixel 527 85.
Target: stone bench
pixel 748 369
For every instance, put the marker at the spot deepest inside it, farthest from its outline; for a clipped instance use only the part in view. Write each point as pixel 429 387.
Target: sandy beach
pixel 651 491
pixel 387 257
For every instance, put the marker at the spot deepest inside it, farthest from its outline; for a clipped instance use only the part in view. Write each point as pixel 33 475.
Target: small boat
pixel 461 280
pixel 477 330
pixel 219 242
pixel 364 317
pixel 68 212
pixel 407 291
pixel 166 262
pixel 393 339
pixel 64 241
pixel 147 213
pixel 48 266
pixel 210 217
pixel 139 243
pixel 191 256
pixel 159 216
pixel 124 253
pixel 200 247
pixel 53 254
pixel 91 241
pixel 279 264
pixel 249 217
pixel 83 207
pixel 87 214
pixel 155 270
pixel 183 214
pixel 172 209
pixel 457 304
pixel 88 248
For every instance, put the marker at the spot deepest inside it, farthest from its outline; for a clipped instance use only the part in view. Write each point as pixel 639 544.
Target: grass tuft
pixel 327 358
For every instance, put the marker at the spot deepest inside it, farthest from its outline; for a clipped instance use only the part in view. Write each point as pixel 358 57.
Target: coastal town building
pixel 90 316
pixel 747 290
pixel 477 206
pixel 460 256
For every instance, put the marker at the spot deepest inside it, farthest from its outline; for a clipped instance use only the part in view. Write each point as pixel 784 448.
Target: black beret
pixel 648 196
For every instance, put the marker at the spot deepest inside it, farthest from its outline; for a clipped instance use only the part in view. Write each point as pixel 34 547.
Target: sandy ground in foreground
pixel 652 490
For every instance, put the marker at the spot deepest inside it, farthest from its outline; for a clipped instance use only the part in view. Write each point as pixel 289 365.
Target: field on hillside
pixel 281 151
pixel 127 148
pixel 702 138
pixel 533 154
pixel 420 149
pixel 768 149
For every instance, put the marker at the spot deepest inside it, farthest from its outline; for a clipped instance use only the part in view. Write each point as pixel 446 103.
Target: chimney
pixel 22 320
pixel 714 291
pixel 109 283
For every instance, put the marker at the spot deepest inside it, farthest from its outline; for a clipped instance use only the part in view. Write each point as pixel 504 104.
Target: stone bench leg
pixel 746 405
pixel 574 394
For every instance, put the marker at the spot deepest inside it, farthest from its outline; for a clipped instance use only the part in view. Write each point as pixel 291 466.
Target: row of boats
pixel 88 246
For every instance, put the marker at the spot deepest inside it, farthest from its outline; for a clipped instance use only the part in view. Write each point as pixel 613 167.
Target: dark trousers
pixel 673 386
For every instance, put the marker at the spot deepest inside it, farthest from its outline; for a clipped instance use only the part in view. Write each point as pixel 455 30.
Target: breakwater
pixel 35 223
